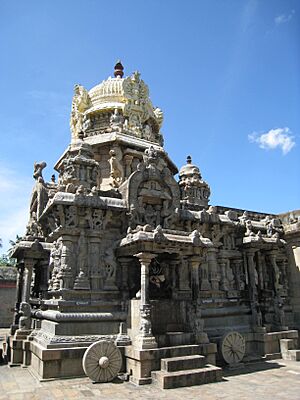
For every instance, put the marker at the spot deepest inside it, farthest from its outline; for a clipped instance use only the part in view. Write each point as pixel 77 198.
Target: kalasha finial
pixel 189 159
pixel 118 72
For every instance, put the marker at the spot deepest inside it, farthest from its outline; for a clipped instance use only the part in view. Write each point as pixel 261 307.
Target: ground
pixel 272 380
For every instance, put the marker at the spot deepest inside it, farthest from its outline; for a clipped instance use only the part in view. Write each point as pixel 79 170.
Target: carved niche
pixel 152 193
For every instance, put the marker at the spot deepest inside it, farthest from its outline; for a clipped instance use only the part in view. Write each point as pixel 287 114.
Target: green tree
pixel 5 259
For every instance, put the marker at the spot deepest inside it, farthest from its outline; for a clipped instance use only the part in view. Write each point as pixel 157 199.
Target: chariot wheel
pixel 102 361
pixel 233 347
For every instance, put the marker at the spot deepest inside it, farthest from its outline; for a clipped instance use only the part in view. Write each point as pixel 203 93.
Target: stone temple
pixel 125 269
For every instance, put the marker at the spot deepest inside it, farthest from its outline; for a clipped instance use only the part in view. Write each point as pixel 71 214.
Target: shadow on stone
pixel 252 368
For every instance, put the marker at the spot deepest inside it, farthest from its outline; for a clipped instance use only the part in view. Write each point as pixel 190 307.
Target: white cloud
pixel 274 138
pixel 15 192
pixel 284 18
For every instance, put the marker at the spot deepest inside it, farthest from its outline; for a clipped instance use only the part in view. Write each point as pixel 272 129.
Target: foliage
pixel 6 261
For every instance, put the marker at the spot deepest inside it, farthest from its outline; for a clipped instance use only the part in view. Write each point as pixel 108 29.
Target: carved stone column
pixel 213 268
pixel 174 271
pixel 272 257
pixel 194 263
pixel 43 265
pixel 145 340
pixel 28 264
pixel 128 161
pixel 260 270
pixel 66 275
pixel 205 284
pixel 19 292
pixel 88 174
pixel 184 283
pixel 224 280
pixel 82 280
pixel 237 266
pixel 124 263
pixel 251 274
pixel 96 263
pixel 285 274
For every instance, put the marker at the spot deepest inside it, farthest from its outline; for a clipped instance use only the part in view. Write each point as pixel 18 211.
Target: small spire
pixel 118 72
pixel 189 159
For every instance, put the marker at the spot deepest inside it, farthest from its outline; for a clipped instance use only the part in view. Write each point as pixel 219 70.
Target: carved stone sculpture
pixel 38 168
pixel 233 347
pixel 194 190
pixel 116 120
pixel 116 167
pixel 80 104
pixel 25 319
pixel 122 241
pixel 102 361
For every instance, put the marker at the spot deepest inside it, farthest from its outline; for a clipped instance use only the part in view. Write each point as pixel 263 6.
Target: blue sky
pixel 225 73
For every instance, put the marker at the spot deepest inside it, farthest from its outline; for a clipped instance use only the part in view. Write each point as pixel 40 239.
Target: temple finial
pixel 189 159
pixel 118 72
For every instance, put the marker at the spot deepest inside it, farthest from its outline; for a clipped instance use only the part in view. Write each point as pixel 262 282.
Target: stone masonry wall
pixel 7 295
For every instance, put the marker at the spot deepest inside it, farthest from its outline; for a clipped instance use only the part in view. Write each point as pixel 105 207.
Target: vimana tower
pixel 125 269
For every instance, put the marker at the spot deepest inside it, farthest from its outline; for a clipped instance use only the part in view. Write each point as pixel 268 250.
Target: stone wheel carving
pixel 102 361
pixel 233 347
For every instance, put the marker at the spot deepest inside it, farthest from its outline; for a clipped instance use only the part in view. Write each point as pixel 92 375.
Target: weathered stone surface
pixel 171 380
pixel 117 240
pixel 182 363
pixel 8 277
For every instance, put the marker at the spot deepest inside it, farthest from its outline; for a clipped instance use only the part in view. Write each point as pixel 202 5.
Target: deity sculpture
pixel 116 168
pixel 80 104
pixel 116 120
pixel 25 319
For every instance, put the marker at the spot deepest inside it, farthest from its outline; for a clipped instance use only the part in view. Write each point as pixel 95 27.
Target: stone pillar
pixel 28 264
pixel 174 271
pixel 19 293
pixel 67 256
pixel 96 263
pixel 82 279
pixel 224 280
pixel 260 270
pixel 285 274
pixel 43 265
pixel 213 268
pixel 128 160
pixel 251 274
pixel 194 263
pixel 184 275
pixel 88 174
pixel 145 340
pixel 124 263
pixel 237 265
pixel 272 257
pixel 204 282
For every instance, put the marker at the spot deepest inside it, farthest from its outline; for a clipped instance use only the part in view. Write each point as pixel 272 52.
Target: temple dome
pixel 118 103
pixel 189 169
pixel 195 191
pixel 107 94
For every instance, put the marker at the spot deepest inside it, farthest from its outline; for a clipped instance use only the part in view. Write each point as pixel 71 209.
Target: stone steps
pixel 188 377
pixel 185 370
pixel 182 363
pixel 294 355
pixel 288 351
pixel 178 351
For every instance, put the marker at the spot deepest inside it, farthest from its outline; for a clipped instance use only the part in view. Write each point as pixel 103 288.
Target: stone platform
pixel 268 380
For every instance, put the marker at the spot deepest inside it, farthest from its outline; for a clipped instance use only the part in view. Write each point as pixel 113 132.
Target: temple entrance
pixel 160 278
pixel 168 314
